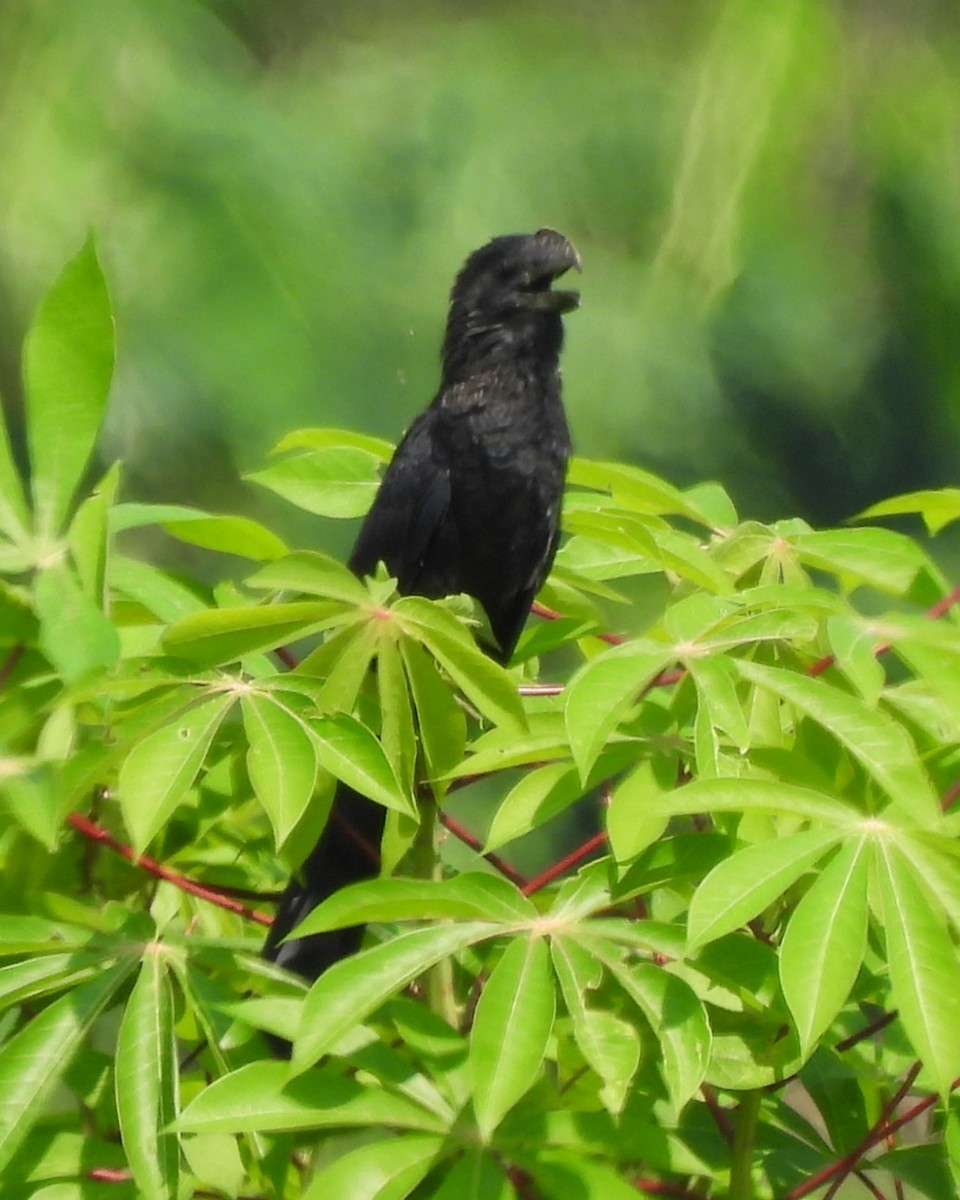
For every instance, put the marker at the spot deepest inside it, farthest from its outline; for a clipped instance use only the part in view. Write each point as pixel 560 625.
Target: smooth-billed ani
pixel 469 503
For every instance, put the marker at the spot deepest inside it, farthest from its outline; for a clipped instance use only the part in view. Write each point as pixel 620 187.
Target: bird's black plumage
pixel 469 503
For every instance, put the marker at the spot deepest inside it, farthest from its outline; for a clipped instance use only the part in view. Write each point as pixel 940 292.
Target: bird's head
pixel 503 295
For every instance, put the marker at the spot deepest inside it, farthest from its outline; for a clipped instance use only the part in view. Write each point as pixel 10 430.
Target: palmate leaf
pixel 33 1061
pixel 147 1082
pixel 67 367
pixel 347 749
pixel 924 966
pixel 281 760
pixel 601 693
pixel 159 770
pixel 883 747
pixel 673 1011
pixel 746 882
pixel 511 1029
pixel 216 636
pixel 355 987
pixel 823 947
pixel 485 683
pixel 225 533
pixel 333 481
pixel 472 896
pixel 261 1096
pixel 380 1170
pixel 608 1043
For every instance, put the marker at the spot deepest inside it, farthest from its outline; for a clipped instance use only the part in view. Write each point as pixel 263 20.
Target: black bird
pixel 469 503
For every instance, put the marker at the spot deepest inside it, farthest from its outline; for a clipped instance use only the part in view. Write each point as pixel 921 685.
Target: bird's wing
pixel 408 513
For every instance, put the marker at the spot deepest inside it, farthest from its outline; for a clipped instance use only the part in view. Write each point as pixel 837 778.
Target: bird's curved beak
pixel 563 256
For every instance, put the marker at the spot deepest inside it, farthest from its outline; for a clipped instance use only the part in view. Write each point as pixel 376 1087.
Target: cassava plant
pixel 741 986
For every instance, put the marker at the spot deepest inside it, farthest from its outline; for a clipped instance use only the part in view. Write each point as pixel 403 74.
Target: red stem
pixel 93 831
pixel 881 1128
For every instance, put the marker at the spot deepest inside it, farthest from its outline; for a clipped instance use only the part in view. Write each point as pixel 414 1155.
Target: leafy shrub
pixel 747 993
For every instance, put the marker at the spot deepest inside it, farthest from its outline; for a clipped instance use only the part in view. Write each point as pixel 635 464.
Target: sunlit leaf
pixel 159 770
pixel 380 1170
pixel 355 987
pixel 881 745
pixel 749 880
pixel 348 750
pixel 262 1096
pixel 146 1082
pixel 281 761
pixel 33 1061
pixel 511 1028
pixel 823 947
pixel 67 367
pixel 222 635
pixel 334 481
pixel 602 692
pixel 924 968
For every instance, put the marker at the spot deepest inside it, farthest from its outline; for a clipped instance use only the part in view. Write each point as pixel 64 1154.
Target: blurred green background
pixel 765 194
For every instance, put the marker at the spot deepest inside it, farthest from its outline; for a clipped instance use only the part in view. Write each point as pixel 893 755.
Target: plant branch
pixel 93 831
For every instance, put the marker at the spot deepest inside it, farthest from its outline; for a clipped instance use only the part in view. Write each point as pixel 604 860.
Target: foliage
pixel 744 994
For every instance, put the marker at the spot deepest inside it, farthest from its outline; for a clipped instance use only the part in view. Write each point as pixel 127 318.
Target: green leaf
pixel 14 517
pixel 715 680
pixel 335 481
pixel 631 820
pixel 213 531
pixel 347 749
pixel 938 508
pixel 281 761
pixel 563 1175
pixel 922 1167
pixel 822 950
pixel 475 1177
pixel 924 968
pixel 608 1043
pixel 936 865
pixel 854 644
pixel 146 1081
pixel 314 573
pixel 31 794
pixel 511 1029
pixel 754 795
pixel 381 1170
pixel 87 536
pixel 67 367
pixel 886 560
pixel 223 635
pixel 398 736
pixel 161 768
pixel 165 597
pixel 882 746
pixel 539 795
pixel 474 895
pixel 676 1016
pixel 639 490
pixel 485 683
pixel 744 884
pixel 319 439
pixel 353 988
pixel 601 693
pixel 440 719
pixel 33 1061
pixel 262 1096
pixel 75 634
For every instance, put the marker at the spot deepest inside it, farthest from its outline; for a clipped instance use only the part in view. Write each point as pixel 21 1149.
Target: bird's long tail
pixel 348 851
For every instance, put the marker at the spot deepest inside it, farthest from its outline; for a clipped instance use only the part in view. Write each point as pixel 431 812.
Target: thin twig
pixel 93 831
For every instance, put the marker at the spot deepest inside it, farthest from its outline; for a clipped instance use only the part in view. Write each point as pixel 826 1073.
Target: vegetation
pixel 742 987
